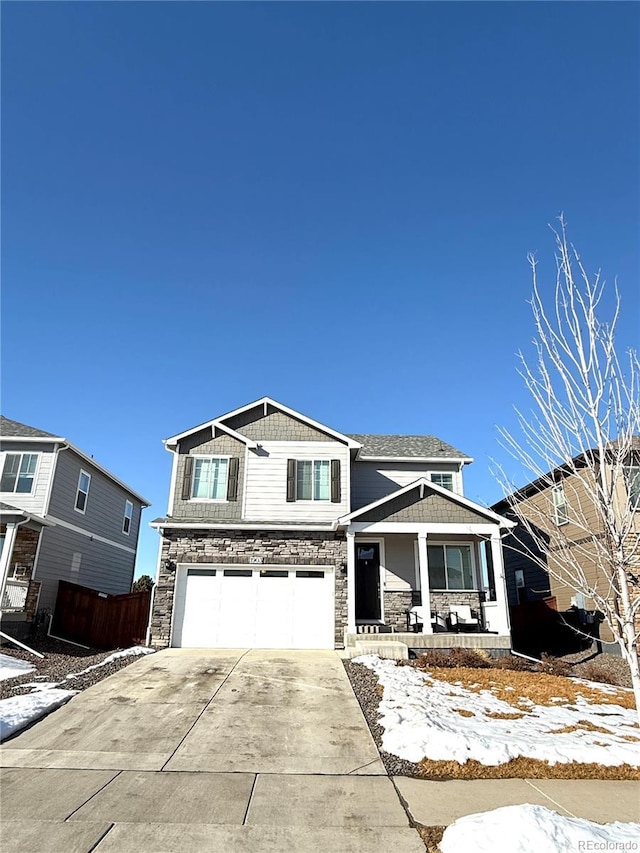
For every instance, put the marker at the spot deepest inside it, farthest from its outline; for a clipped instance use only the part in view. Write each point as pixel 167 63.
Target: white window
pixel 444 479
pixel 210 479
pixel 82 494
pixel 19 473
pixel 313 480
pixel 76 561
pixel 633 486
pixel 450 567
pixel 128 515
pixel 560 505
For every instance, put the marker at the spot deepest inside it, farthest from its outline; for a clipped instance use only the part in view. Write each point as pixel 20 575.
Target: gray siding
pixel 371 481
pixel 105 505
pixel 275 426
pixel 102 567
pixel 432 507
pixel 202 443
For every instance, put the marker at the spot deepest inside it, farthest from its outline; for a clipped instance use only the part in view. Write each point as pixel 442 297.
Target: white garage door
pixel 279 607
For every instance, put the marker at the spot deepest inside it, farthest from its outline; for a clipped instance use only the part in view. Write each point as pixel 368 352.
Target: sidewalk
pixel 440 803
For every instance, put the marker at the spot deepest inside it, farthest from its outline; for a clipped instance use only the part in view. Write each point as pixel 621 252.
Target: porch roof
pixel 9 514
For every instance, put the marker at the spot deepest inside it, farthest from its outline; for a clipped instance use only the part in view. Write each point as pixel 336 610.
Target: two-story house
pixel 282 532
pixel 62 517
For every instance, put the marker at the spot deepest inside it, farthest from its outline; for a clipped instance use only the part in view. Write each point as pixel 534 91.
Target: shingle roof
pixel 14 429
pixel 8 508
pixel 414 446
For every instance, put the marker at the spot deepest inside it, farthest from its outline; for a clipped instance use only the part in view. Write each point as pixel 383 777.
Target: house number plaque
pixel 254 561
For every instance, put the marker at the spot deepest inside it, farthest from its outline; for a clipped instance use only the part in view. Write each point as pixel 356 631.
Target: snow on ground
pixel 421 718
pixel 12 667
pixel 19 711
pixel 534 829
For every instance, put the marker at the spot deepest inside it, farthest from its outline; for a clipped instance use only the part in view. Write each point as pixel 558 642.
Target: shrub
pixel 452 658
pixel 554 666
pixel 594 671
pixel 512 662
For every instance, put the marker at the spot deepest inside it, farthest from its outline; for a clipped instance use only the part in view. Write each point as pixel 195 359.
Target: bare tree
pixel 580 441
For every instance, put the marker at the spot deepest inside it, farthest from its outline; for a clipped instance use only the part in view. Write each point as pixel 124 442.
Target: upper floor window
pixel 313 480
pixel 19 472
pixel 84 480
pixel 210 479
pixel 450 567
pixel 442 478
pixel 560 505
pixel 633 486
pixel 128 515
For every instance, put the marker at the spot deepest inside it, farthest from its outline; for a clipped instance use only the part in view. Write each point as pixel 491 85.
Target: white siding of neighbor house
pixel 266 482
pixel 371 481
pixel 35 501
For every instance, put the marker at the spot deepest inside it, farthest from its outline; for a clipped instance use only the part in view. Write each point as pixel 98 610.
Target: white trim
pixel 423 527
pixel 265 401
pixel 425 583
pixel 224 428
pixel 207 525
pixel 382 568
pixel 34 481
pixel 351 583
pixel 58 440
pixel 439 490
pixel 172 485
pixel 125 516
pixel 90 535
pixel 79 491
pixel 462 460
pixel 209 457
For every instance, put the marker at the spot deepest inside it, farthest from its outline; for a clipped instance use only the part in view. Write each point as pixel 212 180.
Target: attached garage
pixel 268 607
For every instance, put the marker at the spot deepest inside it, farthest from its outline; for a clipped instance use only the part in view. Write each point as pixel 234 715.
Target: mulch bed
pixel 60 659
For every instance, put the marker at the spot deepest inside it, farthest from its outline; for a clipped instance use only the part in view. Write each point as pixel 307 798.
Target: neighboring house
pixel 560 505
pixel 283 533
pixel 63 517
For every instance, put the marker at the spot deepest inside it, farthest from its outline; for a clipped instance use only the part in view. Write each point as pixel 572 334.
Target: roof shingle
pixel 409 446
pixel 14 429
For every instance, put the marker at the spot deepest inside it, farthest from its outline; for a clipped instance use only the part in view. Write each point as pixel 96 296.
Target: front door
pixel 368 581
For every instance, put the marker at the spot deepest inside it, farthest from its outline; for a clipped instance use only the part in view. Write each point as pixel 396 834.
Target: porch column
pixel 502 605
pixel 351 583
pixel 423 569
pixel 5 556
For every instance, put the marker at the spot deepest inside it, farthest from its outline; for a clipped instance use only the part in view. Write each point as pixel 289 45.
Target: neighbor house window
pixel 128 515
pixel 82 494
pixel 443 479
pixel 210 479
pixel 19 472
pixel 450 567
pixel 633 486
pixel 313 480
pixel 560 505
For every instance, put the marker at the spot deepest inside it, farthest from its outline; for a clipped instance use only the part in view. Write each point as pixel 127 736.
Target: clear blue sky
pixel 330 204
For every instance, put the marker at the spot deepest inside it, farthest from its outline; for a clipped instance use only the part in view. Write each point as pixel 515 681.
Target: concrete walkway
pixel 205 750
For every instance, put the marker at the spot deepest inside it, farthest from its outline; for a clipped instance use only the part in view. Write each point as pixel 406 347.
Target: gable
pixel 274 426
pixel 433 507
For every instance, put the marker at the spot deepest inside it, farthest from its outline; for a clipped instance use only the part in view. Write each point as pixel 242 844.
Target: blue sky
pixel 330 204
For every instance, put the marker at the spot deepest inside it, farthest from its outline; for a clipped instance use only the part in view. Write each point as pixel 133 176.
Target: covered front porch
pixel 426 566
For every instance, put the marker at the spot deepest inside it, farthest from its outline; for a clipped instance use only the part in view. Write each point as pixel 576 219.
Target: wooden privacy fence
pixel 99 620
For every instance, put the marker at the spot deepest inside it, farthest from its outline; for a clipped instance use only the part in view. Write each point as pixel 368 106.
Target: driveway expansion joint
pixel 551 800
pixel 246 811
pixel 95 793
pixel 101 839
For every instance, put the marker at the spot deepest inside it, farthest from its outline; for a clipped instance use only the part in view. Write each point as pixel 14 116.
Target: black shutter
pixel 335 481
pixel 186 479
pixel 291 480
pixel 232 484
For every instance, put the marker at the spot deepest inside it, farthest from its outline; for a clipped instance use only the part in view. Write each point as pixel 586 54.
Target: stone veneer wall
pixel 24 552
pixel 276 547
pixel 441 601
pixel 396 604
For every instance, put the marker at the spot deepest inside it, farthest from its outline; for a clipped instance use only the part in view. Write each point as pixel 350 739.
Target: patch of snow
pixel 534 829
pixel 18 711
pixel 13 667
pixel 134 651
pixel 419 719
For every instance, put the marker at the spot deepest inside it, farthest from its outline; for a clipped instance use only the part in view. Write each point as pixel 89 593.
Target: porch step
pixel 385 649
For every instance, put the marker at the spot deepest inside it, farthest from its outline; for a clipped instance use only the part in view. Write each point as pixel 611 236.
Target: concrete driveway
pixel 205 750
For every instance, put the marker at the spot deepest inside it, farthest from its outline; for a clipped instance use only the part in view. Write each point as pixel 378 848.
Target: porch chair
pixel 462 618
pixel 415 619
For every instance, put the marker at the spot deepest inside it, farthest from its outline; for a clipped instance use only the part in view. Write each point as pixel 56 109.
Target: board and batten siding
pixel 105 505
pixel 266 482
pixel 36 500
pixel 100 566
pixel 371 481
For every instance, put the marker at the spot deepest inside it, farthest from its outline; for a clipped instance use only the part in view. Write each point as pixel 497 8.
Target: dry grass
pixel 524 768
pixel 540 688
pixel 432 836
pixel 495 715
pixel 581 726
pixel 464 712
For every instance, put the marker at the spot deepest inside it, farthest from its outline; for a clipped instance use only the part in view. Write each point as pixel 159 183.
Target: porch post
pixel 501 585
pixel 351 583
pixel 5 556
pixel 423 568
